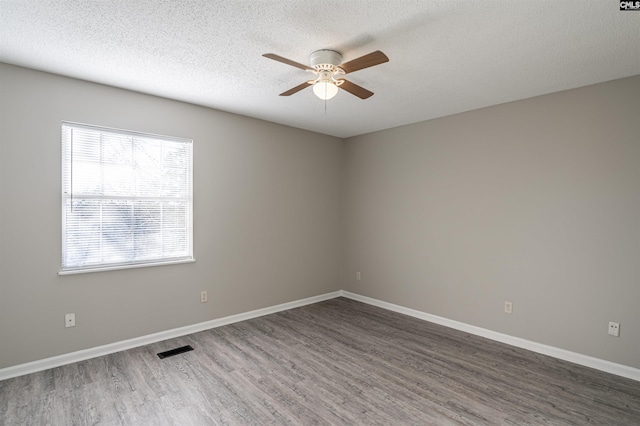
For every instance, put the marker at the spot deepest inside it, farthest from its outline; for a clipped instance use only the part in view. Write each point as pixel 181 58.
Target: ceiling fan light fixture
pixel 325 89
pixel 326 65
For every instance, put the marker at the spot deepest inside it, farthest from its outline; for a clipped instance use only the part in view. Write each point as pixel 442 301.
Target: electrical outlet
pixel 203 296
pixel 508 307
pixel 70 320
pixel 358 276
pixel 614 328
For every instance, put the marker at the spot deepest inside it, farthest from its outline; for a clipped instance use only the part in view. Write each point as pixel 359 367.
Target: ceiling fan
pixel 327 65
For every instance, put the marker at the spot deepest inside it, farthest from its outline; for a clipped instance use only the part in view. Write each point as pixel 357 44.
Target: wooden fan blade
pixel 296 89
pixel 366 61
pixel 354 89
pixel 286 61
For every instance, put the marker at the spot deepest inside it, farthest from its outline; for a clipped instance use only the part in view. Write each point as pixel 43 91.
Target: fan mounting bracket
pixel 325 57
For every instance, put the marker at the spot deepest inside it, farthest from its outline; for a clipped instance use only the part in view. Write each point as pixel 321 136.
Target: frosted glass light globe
pixel 325 90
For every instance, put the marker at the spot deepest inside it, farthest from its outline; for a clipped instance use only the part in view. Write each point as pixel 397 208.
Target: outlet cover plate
pixel 70 320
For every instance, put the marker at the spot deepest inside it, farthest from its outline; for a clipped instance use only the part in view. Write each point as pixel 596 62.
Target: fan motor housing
pixel 322 57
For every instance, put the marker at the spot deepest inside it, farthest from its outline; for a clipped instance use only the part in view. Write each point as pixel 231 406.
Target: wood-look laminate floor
pixel 335 362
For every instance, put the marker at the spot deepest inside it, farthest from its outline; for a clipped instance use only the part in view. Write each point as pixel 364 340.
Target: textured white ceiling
pixel 446 56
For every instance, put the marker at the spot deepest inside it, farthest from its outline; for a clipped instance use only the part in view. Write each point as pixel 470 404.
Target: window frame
pixel 67 166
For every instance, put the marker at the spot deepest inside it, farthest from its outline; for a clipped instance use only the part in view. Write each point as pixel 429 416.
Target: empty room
pixel 335 212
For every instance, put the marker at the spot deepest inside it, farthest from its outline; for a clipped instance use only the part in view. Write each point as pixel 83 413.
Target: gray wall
pixel 535 201
pixel 266 214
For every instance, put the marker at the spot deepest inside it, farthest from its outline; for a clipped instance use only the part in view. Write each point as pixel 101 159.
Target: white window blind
pixel 126 198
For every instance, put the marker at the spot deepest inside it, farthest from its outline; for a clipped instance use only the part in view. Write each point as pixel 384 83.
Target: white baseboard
pixel 56 361
pixel 44 364
pixel 585 360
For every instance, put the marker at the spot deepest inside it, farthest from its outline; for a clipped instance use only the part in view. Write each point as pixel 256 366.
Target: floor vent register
pixel 175 351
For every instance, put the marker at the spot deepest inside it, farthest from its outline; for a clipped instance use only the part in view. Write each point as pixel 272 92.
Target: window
pixel 126 199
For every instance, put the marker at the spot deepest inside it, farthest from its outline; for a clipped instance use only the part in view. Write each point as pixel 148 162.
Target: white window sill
pixel 118 267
